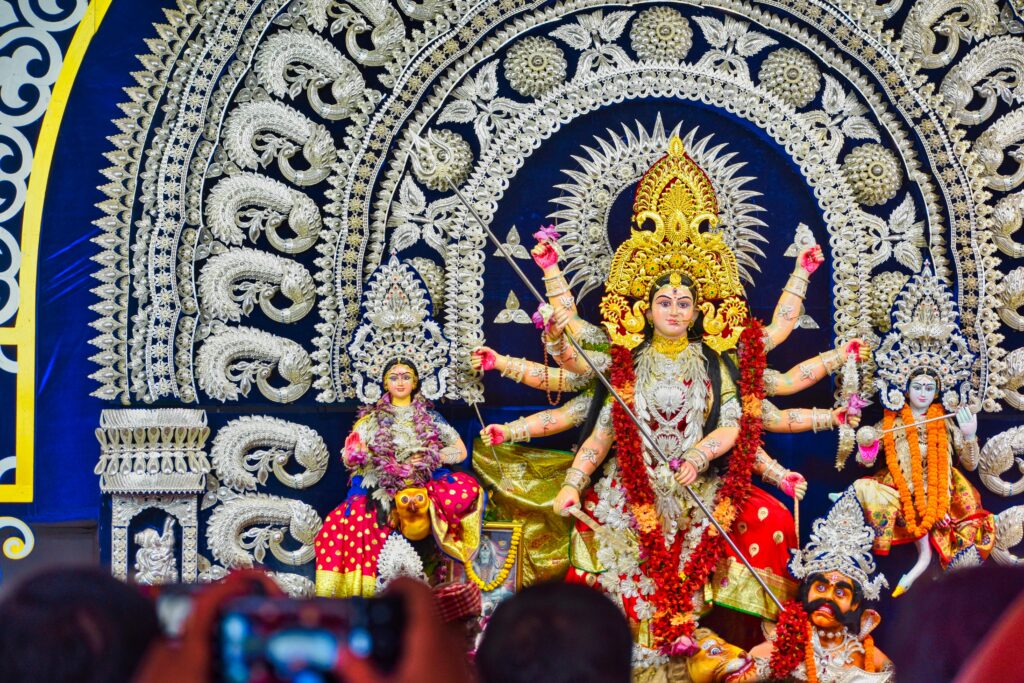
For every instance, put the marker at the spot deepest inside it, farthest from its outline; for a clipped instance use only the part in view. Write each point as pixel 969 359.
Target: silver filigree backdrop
pixel 273 153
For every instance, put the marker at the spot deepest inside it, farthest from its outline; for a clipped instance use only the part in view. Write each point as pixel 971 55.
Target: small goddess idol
pixel 917 495
pixel 399 451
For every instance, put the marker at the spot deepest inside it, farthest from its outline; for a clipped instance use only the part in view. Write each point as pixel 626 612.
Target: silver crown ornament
pixel 924 337
pixel 841 542
pixel 397 325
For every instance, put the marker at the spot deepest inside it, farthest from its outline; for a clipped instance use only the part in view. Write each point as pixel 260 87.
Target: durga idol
pixel 674 312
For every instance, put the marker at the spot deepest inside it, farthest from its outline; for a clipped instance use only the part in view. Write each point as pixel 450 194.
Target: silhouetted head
pixel 556 633
pixel 74 625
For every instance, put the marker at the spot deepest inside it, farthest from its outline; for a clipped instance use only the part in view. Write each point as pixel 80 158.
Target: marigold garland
pixel 928 503
pixel 869 654
pixel 792 642
pixel 673 597
pixel 499 579
pixel 809 663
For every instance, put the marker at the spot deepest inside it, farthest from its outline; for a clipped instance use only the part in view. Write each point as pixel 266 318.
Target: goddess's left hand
pixel 810 259
pixel 686 474
pixel 968 422
pixel 841 416
pixel 794 485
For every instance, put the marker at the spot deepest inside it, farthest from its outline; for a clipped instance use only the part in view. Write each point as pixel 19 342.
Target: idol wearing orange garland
pixel 918 495
pixel 398 452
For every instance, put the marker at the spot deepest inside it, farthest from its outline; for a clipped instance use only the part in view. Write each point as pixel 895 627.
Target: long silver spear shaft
pixel 611 390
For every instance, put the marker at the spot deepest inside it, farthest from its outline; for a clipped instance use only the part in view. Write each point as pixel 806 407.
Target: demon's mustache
pixel 850 619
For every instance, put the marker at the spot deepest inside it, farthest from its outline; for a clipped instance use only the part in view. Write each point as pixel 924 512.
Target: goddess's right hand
pixel 567 497
pixel 493 435
pixel 483 359
pixel 544 254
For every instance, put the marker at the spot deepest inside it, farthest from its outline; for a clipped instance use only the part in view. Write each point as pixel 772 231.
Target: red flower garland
pixel 791 637
pixel 673 597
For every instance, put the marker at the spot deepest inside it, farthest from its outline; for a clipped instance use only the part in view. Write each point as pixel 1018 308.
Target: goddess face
pixel 718 661
pixel 921 392
pixel 400 382
pixel 412 510
pixel 672 310
pixel 832 602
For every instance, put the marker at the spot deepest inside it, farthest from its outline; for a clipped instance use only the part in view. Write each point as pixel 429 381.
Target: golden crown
pixel 676 196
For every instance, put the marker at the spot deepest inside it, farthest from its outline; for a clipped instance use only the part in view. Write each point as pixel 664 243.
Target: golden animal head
pixel 675 197
pixel 412 510
pixel 717 661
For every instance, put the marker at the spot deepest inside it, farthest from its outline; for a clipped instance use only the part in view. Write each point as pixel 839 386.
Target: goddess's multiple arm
pixel 787 311
pixel 574 373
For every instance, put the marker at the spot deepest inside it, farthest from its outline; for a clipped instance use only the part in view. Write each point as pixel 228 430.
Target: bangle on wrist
pixel 577 479
pixel 832 360
pixel 796 285
pixel 515 369
pixel 774 473
pixel 821 420
pixel 518 431
pixel 697 458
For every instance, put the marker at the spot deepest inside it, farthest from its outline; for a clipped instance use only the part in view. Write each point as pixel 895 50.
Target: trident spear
pixel 642 428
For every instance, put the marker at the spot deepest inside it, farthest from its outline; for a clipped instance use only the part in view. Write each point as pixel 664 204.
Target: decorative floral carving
pixel 1014 380
pixel 874 173
pixel 991 72
pixel 260 132
pixel 661 33
pixel 930 22
pixel 999 455
pixel 841 116
pixel 476 102
pixel 414 220
pixel 595 35
pixel 732 42
pixel 1009 533
pixel 242 529
pixel 535 65
pixel 1000 141
pixel 442 160
pixel 902 236
pixel 1012 298
pixel 247 203
pixel 791 75
pixel 290 61
pixel 1007 218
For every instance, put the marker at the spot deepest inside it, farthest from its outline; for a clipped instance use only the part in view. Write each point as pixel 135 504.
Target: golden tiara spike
pixel 675 197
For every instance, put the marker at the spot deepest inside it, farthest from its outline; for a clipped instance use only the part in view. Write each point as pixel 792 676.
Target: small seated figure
pixel 835 568
pixel 399 450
